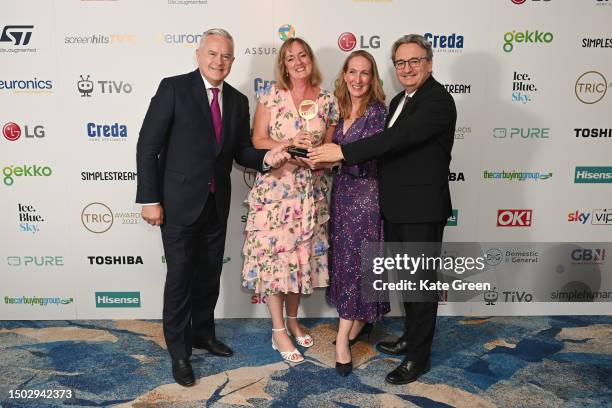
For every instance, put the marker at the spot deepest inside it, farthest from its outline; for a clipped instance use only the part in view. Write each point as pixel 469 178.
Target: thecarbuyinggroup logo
pixel 513 175
pixel 526 37
pixel 37 301
pixel 9 173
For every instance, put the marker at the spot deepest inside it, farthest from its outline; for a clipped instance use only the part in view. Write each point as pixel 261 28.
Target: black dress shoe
pixel 366 330
pixel 396 348
pixel 344 369
pixel 407 372
pixel 183 373
pixel 214 346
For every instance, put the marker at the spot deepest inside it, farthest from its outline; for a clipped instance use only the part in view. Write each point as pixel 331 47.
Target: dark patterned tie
pixel 215 111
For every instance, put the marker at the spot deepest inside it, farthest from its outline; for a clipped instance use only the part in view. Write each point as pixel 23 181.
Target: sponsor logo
pixel 592 132
pixel 184 39
pixel 261 85
pixel 9 172
pixel 38 301
pixel 458 88
pixel 491 297
pixel 521 133
pixel 117 299
pixel 590 256
pixel 496 256
pixel 259 299
pixel 115 260
pixel 523 1
pixel 15 38
pixel 12 131
pixel 26 85
pixel 445 43
pixel 532 37
pixel 593 174
pixel 514 218
pixel 101 39
pixel 115 132
pixel 97 218
pixel 286 31
pixel 456 176
pixel 187 2
pixel 260 51
pixel 29 219
pixel 597 42
pixel 462 131
pixel 348 41
pixel 453 220
pixel 249 176
pixel 35 260
pixel 523 88
pixel 591 87
pixel 595 217
pixel 603 3
pixel 108 175
pixel 513 175
pixel 86 86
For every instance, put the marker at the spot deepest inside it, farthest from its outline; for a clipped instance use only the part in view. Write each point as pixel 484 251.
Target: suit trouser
pixel 194 257
pixel 420 320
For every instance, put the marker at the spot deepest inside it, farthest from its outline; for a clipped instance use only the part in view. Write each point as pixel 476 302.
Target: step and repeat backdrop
pixel 531 162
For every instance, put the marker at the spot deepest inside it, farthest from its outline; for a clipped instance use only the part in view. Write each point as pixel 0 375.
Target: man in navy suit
pixel 414 154
pixel 195 127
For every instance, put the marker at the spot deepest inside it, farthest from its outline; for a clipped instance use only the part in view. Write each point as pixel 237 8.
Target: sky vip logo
pixel 108 176
pixel 597 42
pixel 453 220
pixel 458 88
pixel 12 131
pixel 286 31
pixel 523 88
pixel 37 301
pixel 526 37
pixel 348 41
pixel 592 174
pixel 35 261
pixel 445 43
pixel 588 256
pixel 118 299
pixel 593 133
pixel 514 218
pixel 462 131
pixel 183 39
pixel 596 217
pixel 261 86
pixel 114 132
pixel 20 86
pixel 591 87
pixel 521 133
pixel 10 172
pixel 101 39
pixel 115 260
pixel 29 219
pixel 513 175
pixel 86 87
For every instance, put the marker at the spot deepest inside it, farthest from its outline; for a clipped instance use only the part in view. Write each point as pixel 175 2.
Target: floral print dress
pixel 286 230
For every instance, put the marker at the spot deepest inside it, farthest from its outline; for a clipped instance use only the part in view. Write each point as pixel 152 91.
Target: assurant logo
pixel 286 31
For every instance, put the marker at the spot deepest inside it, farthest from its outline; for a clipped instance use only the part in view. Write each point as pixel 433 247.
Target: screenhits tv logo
pixel 514 218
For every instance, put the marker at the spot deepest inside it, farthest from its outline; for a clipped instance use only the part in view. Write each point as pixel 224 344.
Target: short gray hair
pixel 412 39
pixel 217 31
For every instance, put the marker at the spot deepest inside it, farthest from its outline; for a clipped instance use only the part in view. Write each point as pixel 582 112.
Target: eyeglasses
pixel 412 63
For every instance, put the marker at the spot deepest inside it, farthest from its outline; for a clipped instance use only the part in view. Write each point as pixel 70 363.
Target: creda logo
pixel 24 171
pixel 527 36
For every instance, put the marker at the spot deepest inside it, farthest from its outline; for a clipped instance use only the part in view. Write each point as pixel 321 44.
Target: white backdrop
pixel 73 70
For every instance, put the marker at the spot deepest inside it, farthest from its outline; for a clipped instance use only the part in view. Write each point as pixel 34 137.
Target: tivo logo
pixel 117 299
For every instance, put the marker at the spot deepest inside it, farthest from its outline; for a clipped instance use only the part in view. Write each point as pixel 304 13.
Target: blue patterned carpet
pixel 477 362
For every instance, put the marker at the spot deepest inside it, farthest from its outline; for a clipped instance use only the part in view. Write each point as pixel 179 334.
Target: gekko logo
pixel 526 36
pixel 26 86
pixel 187 40
pixel 600 216
pixel 453 220
pixel 593 174
pixel 286 31
pixel 261 85
pixel 35 260
pixel 12 131
pixel 117 299
pixel 85 86
pixel 348 41
pixel 9 172
pixel 37 301
pixel 591 133
pixel 114 132
pixel 521 133
pixel 591 87
pixel 97 218
pixel 514 218
pixel 445 43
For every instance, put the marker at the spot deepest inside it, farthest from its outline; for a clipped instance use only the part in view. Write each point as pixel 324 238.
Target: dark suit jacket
pixel 413 156
pixel 177 153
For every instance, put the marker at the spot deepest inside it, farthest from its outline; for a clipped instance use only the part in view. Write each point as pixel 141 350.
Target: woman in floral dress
pixel 286 232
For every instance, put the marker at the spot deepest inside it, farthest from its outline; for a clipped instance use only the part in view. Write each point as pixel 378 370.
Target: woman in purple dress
pixel 355 211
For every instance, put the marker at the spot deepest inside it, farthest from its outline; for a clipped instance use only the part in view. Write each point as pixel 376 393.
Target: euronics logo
pixel 117 299
pixel 589 174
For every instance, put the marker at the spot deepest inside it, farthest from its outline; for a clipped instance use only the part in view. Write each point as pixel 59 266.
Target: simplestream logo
pixel 513 175
pixel 593 174
pixel 9 172
pixel 117 299
pixel 37 301
pixel 533 37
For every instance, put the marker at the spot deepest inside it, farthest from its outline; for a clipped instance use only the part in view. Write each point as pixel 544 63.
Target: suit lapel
pixel 200 95
pixel 392 107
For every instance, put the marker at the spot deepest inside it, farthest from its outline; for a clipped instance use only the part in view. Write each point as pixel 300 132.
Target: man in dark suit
pixel 196 125
pixel 414 154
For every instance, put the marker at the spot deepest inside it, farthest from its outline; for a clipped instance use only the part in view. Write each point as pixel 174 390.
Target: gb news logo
pixel 86 87
pixel 12 131
pixel 15 38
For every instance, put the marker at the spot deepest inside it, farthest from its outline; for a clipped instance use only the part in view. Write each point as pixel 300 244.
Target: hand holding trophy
pixel 308 110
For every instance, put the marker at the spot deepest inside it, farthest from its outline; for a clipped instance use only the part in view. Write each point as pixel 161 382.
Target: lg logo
pixel 348 41
pixel 12 131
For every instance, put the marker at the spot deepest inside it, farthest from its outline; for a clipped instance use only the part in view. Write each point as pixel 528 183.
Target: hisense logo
pixel 593 174
pixel 117 299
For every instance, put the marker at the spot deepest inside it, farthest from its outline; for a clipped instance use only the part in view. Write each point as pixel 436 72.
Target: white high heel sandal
pixel 304 341
pixel 291 356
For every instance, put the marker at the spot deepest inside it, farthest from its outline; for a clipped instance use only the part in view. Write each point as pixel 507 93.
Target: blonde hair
pixel 375 93
pixel 282 75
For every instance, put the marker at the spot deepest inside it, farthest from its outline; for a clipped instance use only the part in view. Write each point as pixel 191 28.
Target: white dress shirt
pixel 399 108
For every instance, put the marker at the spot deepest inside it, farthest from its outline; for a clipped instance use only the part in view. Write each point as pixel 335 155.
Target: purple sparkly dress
pixel 355 217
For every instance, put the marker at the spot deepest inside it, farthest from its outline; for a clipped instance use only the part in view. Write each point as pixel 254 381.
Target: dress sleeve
pixel 332 111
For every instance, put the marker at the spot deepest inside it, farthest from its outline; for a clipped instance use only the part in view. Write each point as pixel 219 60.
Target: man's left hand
pixel 277 156
pixel 328 152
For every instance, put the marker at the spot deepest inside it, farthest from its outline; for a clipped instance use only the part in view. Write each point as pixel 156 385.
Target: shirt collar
pixel 409 95
pixel 208 85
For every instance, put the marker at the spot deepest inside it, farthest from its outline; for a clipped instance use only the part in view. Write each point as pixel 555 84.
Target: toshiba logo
pixel 514 218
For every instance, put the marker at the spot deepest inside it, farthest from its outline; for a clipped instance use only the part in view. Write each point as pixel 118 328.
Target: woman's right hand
pixel 303 139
